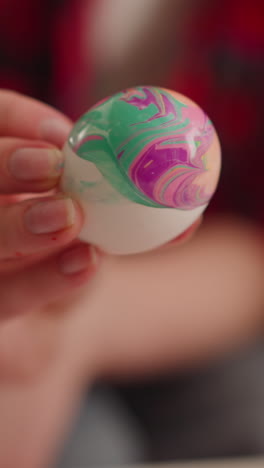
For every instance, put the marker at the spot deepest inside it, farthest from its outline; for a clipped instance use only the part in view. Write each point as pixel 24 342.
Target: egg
pixel 144 163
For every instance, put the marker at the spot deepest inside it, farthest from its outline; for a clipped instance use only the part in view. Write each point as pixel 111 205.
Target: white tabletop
pixel 241 463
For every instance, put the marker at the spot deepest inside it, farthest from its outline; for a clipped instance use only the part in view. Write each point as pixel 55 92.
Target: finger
pixel 28 166
pixel 47 282
pixel 186 235
pixel 38 225
pixel 24 117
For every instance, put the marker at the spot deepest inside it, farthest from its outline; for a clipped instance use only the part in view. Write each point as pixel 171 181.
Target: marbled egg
pixel 151 147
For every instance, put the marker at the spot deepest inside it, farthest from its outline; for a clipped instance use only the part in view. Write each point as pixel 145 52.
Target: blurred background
pixel 72 53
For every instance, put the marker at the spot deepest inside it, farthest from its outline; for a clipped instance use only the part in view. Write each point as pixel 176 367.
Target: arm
pixel 180 305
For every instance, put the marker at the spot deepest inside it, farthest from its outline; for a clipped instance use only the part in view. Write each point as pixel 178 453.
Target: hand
pixel 39 263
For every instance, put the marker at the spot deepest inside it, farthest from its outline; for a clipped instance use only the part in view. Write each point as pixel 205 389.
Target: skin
pixel 135 317
pixel 29 263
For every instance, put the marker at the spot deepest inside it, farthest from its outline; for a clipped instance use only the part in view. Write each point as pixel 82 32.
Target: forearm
pixel 177 306
pixel 36 417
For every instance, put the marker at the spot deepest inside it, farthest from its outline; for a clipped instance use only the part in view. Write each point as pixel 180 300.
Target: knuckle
pixel 8 99
pixel 5 235
pixel 5 92
pixel 12 232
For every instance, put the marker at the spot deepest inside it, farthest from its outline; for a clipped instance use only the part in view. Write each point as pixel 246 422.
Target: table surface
pixel 242 463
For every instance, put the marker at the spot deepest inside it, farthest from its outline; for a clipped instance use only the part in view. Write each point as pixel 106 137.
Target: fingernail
pixel 30 164
pixel 55 131
pixel 50 216
pixel 77 260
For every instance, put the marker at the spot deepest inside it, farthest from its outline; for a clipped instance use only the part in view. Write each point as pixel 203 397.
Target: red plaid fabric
pixel 41 51
pixel 224 73
pixel 41 55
